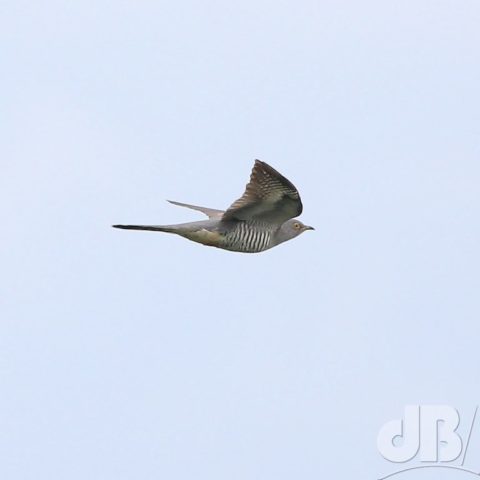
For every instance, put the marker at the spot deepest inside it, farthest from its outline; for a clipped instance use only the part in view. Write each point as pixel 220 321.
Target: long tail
pixel 153 228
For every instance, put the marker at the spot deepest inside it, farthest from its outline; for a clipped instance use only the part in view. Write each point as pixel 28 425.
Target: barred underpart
pixel 249 237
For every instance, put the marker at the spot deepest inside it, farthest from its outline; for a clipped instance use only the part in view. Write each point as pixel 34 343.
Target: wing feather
pixel 209 212
pixel 268 196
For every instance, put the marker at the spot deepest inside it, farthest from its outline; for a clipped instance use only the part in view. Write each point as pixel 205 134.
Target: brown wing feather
pixel 269 197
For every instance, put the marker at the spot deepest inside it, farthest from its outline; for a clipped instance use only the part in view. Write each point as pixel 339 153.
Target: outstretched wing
pixel 268 197
pixel 209 212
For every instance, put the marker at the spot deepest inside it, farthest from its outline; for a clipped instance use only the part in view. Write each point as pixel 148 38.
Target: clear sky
pixel 137 355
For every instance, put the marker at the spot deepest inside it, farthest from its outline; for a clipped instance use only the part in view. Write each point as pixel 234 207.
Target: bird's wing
pixel 268 197
pixel 209 212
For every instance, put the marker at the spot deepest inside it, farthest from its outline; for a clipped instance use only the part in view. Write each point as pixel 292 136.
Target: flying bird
pixel 262 218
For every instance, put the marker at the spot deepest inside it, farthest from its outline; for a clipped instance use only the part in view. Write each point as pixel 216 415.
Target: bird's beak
pixel 308 228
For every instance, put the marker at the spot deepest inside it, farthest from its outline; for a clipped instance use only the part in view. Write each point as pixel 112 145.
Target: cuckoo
pixel 262 218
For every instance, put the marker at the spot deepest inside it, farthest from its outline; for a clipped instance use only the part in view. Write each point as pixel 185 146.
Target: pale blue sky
pixel 134 355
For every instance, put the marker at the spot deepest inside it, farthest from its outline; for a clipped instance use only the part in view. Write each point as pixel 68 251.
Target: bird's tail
pixel 153 228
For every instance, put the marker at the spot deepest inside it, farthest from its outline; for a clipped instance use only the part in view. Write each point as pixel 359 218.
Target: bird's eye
pixel 296 226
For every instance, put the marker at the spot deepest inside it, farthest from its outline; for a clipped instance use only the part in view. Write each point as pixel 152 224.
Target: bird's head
pixel 291 229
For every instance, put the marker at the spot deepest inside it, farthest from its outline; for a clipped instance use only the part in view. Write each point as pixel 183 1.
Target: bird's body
pixel 261 219
pixel 250 237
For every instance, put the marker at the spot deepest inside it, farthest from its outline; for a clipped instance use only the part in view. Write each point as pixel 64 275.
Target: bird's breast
pixel 248 237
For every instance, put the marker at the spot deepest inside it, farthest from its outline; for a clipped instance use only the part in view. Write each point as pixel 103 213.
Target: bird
pixel 262 218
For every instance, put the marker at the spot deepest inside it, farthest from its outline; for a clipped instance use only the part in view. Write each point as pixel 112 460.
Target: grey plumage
pixel 261 218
